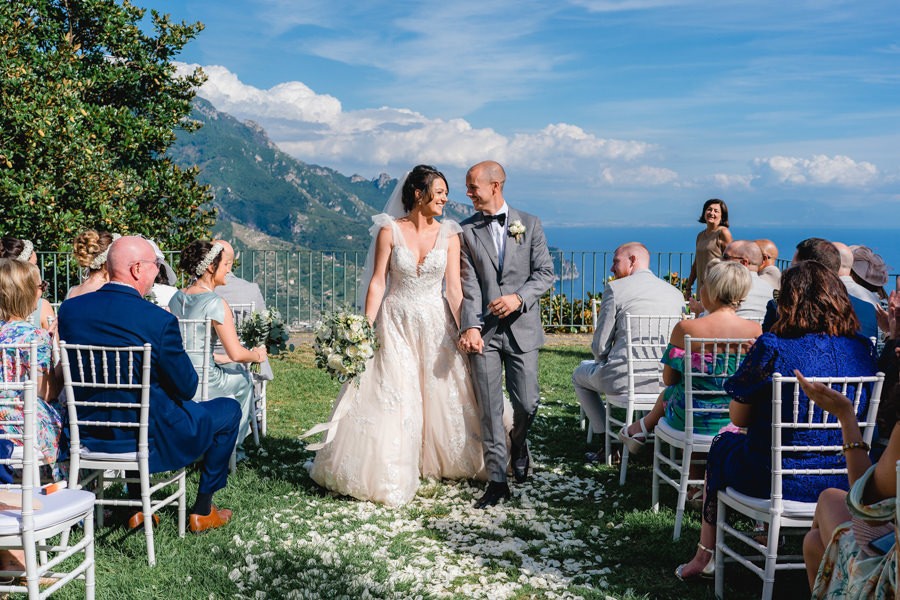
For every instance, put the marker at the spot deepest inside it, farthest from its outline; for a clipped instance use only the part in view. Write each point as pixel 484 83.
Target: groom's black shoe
pixel 495 492
pixel 520 463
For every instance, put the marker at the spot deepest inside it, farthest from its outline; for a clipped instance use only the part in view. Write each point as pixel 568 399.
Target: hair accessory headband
pixel 100 259
pixel 208 259
pixel 27 251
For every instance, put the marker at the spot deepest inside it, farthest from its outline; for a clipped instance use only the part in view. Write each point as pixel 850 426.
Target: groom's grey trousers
pixel 501 352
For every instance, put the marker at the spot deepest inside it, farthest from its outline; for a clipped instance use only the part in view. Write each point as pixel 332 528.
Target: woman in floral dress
pixel 20 287
pixel 727 284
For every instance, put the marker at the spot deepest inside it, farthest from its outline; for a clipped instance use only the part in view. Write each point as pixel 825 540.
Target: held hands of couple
pixel 470 341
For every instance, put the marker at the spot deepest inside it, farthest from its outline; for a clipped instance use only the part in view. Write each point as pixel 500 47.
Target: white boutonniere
pixel 517 230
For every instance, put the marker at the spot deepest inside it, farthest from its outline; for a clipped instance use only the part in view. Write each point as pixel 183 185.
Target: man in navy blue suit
pixel 180 430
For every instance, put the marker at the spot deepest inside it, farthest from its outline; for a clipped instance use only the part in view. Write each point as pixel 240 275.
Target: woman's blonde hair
pixel 17 288
pixel 727 282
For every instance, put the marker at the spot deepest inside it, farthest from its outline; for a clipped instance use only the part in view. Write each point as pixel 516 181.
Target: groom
pixel 506 268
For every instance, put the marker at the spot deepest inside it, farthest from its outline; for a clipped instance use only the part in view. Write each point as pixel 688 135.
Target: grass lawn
pixel 570 532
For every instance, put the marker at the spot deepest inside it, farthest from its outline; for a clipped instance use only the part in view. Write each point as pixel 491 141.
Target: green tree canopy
pixel 89 104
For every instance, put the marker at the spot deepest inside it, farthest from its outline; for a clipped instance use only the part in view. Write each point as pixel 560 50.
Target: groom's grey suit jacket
pixel 527 271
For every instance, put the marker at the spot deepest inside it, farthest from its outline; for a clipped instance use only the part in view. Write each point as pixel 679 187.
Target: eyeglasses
pixel 156 261
pixel 43 285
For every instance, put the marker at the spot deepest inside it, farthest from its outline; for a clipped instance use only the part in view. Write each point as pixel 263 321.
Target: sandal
pixel 708 572
pixel 634 443
pixel 694 498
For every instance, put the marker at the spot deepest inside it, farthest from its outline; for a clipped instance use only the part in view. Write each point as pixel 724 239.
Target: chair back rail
pixel 196 335
pixel 814 418
pixel 726 355
pixel 106 368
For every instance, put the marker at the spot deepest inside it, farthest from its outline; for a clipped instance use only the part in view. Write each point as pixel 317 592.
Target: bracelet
pixel 855 446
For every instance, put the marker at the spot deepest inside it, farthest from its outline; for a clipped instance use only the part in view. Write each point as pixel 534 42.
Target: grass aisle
pixel 571 532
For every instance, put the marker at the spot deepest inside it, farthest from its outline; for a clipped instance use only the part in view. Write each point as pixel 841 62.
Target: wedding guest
pixel 727 284
pixel 23 250
pixel 825 253
pixel 711 241
pixel 853 288
pixel 164 285
pixel 241 291
pixel 91 248
pixel 20 286
pixel 840 561
pixel 635 290
pixel 208 263
pixel 869 271
pixel 181 432
pixel 815 333
pixel 768 272
pixel 748 254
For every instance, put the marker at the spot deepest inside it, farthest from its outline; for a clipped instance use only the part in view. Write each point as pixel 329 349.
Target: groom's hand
pixel 470 341
pixel 505 305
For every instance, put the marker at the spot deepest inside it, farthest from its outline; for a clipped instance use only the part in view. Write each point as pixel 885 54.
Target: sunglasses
pixel 43 285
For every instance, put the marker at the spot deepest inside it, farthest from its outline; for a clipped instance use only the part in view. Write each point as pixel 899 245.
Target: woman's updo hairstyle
pixel 11 247
pixel 727 282
pixel 420 178
pixel 194 254
pixel 88 245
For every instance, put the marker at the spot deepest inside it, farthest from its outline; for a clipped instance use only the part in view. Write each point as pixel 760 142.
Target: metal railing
pixel 304 285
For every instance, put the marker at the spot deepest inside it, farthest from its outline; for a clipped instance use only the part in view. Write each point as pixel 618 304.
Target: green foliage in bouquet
pixel 344 342
pixel 267 329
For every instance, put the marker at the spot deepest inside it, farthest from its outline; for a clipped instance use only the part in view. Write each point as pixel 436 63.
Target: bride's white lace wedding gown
pixel 414 411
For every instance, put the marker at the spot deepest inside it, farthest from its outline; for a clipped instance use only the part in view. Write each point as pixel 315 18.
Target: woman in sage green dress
pixel 209 262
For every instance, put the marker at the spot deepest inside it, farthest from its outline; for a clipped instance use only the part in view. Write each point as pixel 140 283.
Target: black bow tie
pixel 501 218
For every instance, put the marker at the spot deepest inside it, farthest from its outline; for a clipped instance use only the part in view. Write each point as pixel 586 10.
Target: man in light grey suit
pixel 506 268
pixel 749 254
pixel 635 290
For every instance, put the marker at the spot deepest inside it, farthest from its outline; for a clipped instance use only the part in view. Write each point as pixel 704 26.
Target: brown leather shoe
pixel 137 520
pixel 216 518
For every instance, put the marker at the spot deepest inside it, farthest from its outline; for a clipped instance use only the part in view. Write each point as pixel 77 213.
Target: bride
pixel 413 412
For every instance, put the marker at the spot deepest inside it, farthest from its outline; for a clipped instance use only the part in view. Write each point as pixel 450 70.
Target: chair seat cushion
pixel 88 454
pixel 792 508
pixel 56 508
pixel 667 431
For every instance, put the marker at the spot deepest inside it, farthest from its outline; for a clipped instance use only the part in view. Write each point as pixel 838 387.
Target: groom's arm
pixel 541 276
pixel 470 315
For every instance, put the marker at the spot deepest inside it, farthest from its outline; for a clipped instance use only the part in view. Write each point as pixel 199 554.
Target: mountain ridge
pixel 258 186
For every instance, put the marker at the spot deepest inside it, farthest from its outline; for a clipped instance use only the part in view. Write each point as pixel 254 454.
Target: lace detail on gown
pixel 413 412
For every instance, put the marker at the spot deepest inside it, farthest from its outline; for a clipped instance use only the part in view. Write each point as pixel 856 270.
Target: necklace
pixel 202 286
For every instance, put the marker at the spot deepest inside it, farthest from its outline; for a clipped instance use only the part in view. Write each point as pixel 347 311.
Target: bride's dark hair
pixel 420 178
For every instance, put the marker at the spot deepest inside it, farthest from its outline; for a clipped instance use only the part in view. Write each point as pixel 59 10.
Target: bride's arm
pixel 375 293
pixel 451 275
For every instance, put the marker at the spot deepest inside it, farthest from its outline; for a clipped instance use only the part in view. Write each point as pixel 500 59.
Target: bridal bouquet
pixel 344 342
pixel 264 329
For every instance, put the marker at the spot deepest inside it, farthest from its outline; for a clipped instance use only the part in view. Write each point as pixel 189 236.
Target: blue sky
pixel 602 111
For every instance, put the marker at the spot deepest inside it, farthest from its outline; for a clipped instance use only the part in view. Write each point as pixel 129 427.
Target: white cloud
pixel 725 180
pixel 820 170
pixel 638 176
pixel 291 100
pixel 314 128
